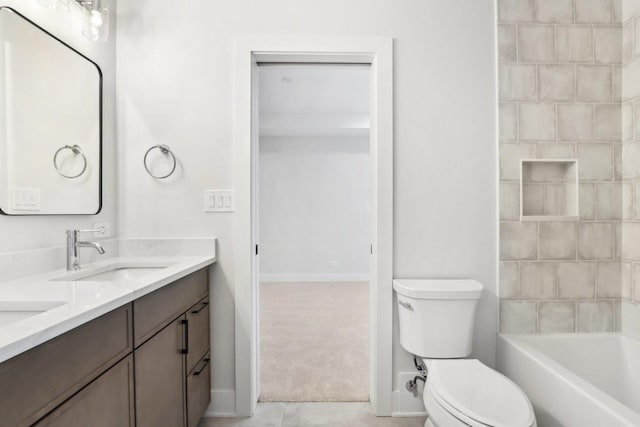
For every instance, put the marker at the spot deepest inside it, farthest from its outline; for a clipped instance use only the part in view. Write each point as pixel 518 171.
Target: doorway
pixel 378 53
pixel 313 230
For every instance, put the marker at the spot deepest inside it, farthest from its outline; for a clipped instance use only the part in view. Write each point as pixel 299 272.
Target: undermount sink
pixel 113 273
pixel 14 311
pixel 121 273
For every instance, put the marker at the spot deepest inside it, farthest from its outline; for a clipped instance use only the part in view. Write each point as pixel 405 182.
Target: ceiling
pixel 317 88
pixel 314 100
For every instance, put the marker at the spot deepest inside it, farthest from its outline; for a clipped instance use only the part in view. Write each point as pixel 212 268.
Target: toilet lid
pixel 480 393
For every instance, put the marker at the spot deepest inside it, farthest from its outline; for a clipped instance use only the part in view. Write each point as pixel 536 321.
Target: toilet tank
pixel 436 317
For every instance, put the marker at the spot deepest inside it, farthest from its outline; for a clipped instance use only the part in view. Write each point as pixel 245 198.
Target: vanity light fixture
pixel 97 22
pixel 97 25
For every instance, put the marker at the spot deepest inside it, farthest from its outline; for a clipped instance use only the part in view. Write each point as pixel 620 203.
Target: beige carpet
pixel 314 342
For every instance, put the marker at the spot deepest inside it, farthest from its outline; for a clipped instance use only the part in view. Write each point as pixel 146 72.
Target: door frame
pixel 378 53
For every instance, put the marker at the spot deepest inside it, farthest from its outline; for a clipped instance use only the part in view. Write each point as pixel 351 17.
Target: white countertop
pixel 76 302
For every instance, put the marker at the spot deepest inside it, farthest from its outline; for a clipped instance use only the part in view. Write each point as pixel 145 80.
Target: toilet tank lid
pixel 438 288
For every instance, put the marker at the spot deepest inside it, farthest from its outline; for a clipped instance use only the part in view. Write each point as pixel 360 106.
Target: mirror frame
pixel 100 118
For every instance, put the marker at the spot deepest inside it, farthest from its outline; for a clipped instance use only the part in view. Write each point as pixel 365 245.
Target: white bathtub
pixel 580 380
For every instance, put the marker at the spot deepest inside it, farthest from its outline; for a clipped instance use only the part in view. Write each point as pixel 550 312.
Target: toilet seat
pixel 477 395
pixel 445 414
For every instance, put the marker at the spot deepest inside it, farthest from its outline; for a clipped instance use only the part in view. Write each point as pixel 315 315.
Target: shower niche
pixel 549 189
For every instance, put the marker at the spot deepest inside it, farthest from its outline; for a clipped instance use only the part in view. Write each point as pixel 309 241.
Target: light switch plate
pixel 218 201
pixel 25 199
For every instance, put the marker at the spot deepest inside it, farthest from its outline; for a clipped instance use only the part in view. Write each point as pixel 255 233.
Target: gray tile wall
pixel 630 136
pixel 561 84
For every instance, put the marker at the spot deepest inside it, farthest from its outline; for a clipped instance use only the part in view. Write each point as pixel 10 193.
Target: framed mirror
pixel 50 123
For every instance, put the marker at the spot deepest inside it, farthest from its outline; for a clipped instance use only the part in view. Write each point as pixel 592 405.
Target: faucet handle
pixel 74 233
pixel 75 230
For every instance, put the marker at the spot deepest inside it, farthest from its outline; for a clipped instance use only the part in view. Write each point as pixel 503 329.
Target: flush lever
pixel 405 305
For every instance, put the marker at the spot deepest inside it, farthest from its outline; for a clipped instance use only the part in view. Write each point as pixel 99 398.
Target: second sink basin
pixel 14 311
pixel 121 273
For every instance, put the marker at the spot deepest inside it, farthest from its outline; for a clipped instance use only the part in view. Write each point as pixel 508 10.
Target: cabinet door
pixel 198 391
pixel 160 380
pixel 198 330
pixel 106 402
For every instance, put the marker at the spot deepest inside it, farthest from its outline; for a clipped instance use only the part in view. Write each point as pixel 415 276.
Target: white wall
pixel 314 197
pixel 175 86
pixel 23 233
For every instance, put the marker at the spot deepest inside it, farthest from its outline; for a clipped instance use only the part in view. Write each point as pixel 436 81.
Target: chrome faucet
pixel 73 260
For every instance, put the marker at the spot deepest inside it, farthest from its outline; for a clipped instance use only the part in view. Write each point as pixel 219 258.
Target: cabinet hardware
pixel 204 304
pixel 206 362
pixel 185 323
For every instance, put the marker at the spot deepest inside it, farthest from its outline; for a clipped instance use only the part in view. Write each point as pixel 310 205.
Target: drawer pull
pixel 185 323
pixel 204 304
pixel 206 362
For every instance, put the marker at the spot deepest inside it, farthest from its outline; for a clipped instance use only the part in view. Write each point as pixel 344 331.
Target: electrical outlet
pixel 104 230
pixel 333 264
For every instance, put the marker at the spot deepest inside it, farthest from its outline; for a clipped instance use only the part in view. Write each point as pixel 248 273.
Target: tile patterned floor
pixel 316 414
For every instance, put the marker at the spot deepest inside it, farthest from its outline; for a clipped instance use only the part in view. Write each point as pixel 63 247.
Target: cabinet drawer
pixel 198 391
pixel 156 310
pixel 42 378
pixel 198 330
pixel 106 402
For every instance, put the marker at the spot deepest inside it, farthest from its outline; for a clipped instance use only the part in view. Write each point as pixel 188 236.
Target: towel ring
pixel 164 149
pixel 76 151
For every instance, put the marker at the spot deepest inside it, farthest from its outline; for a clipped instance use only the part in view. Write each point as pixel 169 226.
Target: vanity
pixel 127 345
pixel 123 341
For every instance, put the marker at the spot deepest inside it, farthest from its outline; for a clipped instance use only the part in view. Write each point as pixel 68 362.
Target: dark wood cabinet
pixel 106 402
pixel 198 391
pixel 197 327
pixel 173 384
pixel 144 364
pixel 160 394
pixel 198 362
pixel 154 311
pixel 37 381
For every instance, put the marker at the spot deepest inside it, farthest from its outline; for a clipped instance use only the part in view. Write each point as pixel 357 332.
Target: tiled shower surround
pixel 560 92
pixel 630 267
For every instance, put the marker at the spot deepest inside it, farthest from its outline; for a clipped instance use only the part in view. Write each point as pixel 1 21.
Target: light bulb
pixel 94 34
pixel 96 19
pixel 96 26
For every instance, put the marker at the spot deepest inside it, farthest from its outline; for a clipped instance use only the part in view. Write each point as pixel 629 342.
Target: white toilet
pixel 436 325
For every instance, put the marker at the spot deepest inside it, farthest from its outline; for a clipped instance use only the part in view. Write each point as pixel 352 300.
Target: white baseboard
pixel 408 414
pixel 404 403
pixel 223 404
pixel 358 277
